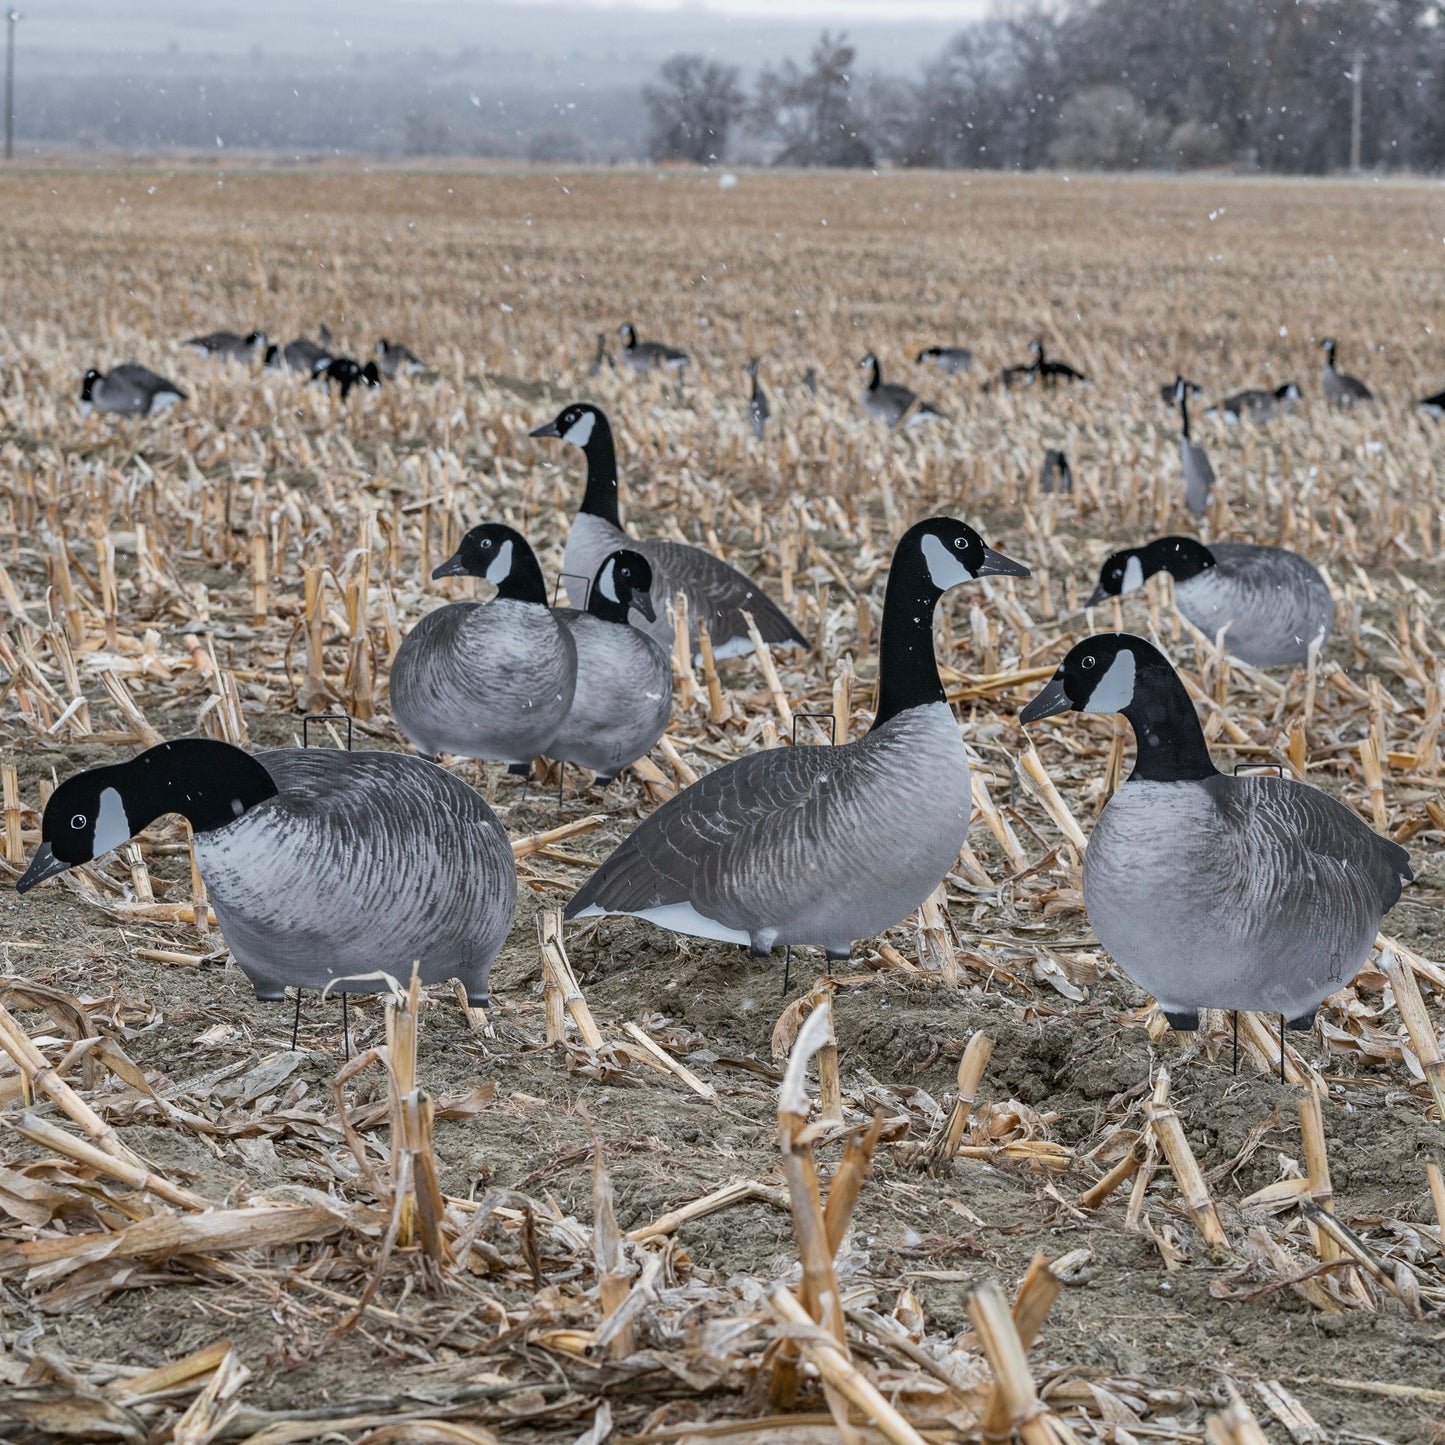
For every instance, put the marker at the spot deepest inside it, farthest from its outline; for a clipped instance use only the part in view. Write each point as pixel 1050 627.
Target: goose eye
pixel 1086 662
pixel 958 543
pixel 78 822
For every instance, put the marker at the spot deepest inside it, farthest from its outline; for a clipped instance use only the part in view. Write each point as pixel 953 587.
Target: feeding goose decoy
pixel 951 359
pixel 622 699
pixel 716 593
pixel 828 844
pixel 308 357
pixel 1339 387
pixel 891 403
pixel 487 680
pixel 1433 405
pixel 1257 404
pixel 1056 475
pixel 1166 392
pixel 649 355
pixel 1048 372
pixel 320 864
pixel 227 345
pixel 759 411
pixel 347 372
pixel 394 359
pixel 1214 891
pixel 1270 602
pixel 1193 459
pixel 128 390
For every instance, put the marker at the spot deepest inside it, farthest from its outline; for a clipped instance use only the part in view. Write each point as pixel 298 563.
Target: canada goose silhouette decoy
pixel 828 844
pixel 227 345
pixel 1050 373
pixel 890 402
pixel 716 593
pixel 1198 474
pixel 953 360
pixel 1209 890
pixel 394 359
pixel 487 680
pixel 321 864
pixel 758 409
pixel 1339 387
pixel 347 372
pixel 1257 404
pixel 308 357
pixel 128 390
pixel 1270 603
pixel 1056 475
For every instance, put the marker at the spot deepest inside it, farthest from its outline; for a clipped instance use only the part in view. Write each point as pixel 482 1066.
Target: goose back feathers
pixel 1339 387
pixel 227 345
pixel 891 403
pixel 950 359
pixel 649 355
pixel 128 390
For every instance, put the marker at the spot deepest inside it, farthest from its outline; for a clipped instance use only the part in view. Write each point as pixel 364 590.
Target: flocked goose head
pixel 502 556
pixel 870 365
pixel 575 423
pixel 1129 569
pixel 623 580
pixel 87 386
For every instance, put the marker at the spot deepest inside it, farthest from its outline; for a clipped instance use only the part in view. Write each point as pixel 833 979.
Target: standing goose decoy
pixel 1051 372
pixel 1212 891
pixel 1056 475
pixel 891 403
pixel 649 355
pixel 395 360
pixel 346 373
pixel 227 345
pixel 822 845
pixel 128 390
pixel 301 355
pixel 320 864
pixel 487 680
pixel 1198 474
pixel 715 592
pixel 1166 392
pixel 1257 404
pixel 1339 387
pixel 1434 405
pixel 1273 603
pixel 759 411
pixel 622 700
pixel 950 359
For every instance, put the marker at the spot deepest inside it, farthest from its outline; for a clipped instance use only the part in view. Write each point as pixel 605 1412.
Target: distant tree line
pixel 1093 84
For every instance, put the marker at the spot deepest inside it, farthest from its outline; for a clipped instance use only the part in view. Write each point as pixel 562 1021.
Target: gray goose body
pixel 645 356
pixel 1193 462
pixel 890 402
pixel 301 355
pixel 1257 404
pixel 953 360
pixel 129 390
pixel 1339 387
pixel 759 412
pixel 393 359
pixel 227 345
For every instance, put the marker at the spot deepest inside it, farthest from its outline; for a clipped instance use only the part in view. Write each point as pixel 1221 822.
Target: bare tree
pixel 812 112
pixel 691 109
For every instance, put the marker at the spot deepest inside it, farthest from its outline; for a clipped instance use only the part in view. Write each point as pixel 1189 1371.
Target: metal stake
pixel 787 967
pixel 296 1021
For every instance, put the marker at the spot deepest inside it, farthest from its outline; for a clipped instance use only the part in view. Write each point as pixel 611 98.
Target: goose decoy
pixel 129 390
pixel 1166 392
pixel 603 358
pixel 1051 372
pixel 715 592
pixel 227 345
pixel 822 845
pixel 1257 404
pixel 1213 891
pixel 1339 387
pixel 622 699
pixel 950 359
pixel 1056 475
pixel 487 680
pixel 649 355
pixel 1434 405
pixel 320 864
pixel 891 403
pixel 1273 603
pixel 810 380
pixel 395 360
pixel 758 409
pixel 1198 474
pixel 301 355
pixel 346 373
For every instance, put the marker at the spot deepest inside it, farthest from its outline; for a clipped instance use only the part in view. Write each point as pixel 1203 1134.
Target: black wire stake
pixel 321 717
pixel 1281 1048
pixel 787 967
pixel 1236 1042
pixel 296 1021
pixel 573 577
pixel 345 1030
pixel 1249 767
pixel 828 717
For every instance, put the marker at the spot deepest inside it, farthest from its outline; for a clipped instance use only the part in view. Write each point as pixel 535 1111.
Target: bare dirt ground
pixel 121 541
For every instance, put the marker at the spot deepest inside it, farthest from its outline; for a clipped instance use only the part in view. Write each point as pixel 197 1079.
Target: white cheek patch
pixel 1115 690
pixel 580 432
pixel 944 567
pixel 112 827
pixel 606 585
pixel 499 570
pixel 1133 577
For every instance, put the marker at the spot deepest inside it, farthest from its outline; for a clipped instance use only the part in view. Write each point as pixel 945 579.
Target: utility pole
pixel 1357 76
pixel 11 16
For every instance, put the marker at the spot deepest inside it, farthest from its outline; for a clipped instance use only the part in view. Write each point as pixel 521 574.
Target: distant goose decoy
pixel 487 680
pixel 1056 475
pixel 716 593
pixel 1213 891
pixel 1166 392
pixel 227 345
pixel 346 373
pixel 319 863
pixel 649 355
pixel 1050 372
pixel 395 360
pixel 891 403
pixel 309 357
pixel 759 411
pixel 603 358
pixel 1434 405
pixel 810 380
pixel 1257 404
pixel 1193 459
pixel 821 845
pixel 1273 603
pixel 951 359
pixel 128 390
pixel 1339 387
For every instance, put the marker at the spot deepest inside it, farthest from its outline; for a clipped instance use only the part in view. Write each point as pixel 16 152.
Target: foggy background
pixel 1246 84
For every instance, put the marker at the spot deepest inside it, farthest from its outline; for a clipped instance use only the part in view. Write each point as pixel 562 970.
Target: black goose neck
pixel 1170 746
pixel 209 783
pixel 524 582
pixel 907 669
pixel 600 498
pixel 1184 411
pixel 875 374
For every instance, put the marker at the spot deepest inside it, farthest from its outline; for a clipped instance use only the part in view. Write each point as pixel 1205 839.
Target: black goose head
pixel 211 783
pixel 623 580
pixel 628 332
pixel 271 356
pixel 254 339
pixel 578 422
pixel 87 384
pixel 1036 348
pixel 1288 392
pixel 1125 570
pixel 927 354
pixel 870 365
pixel 503 556
pixel 586 426
pixel 1328 346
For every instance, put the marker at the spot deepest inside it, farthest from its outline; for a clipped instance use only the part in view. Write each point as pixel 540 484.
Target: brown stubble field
pixel 159 570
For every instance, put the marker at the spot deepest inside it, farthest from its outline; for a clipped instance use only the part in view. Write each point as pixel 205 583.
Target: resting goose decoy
pixel 128 390
pixel 1434 405
pixel 1051 372
pixel 715 592
pixel 1166 392
pixel 1193 460
pixel 622 699
pixel 759 411
pixel 821 845
pixel 1273 603
pixel 319 863
pixel 1339 387
pixel 1213 891
pixel 951 359
pixel 395 360
pixel 227 345
pixel 308 357
pixel 891 403
pixel 1257 404
pixel 649 355
pixel 487 680
pixel 346 373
